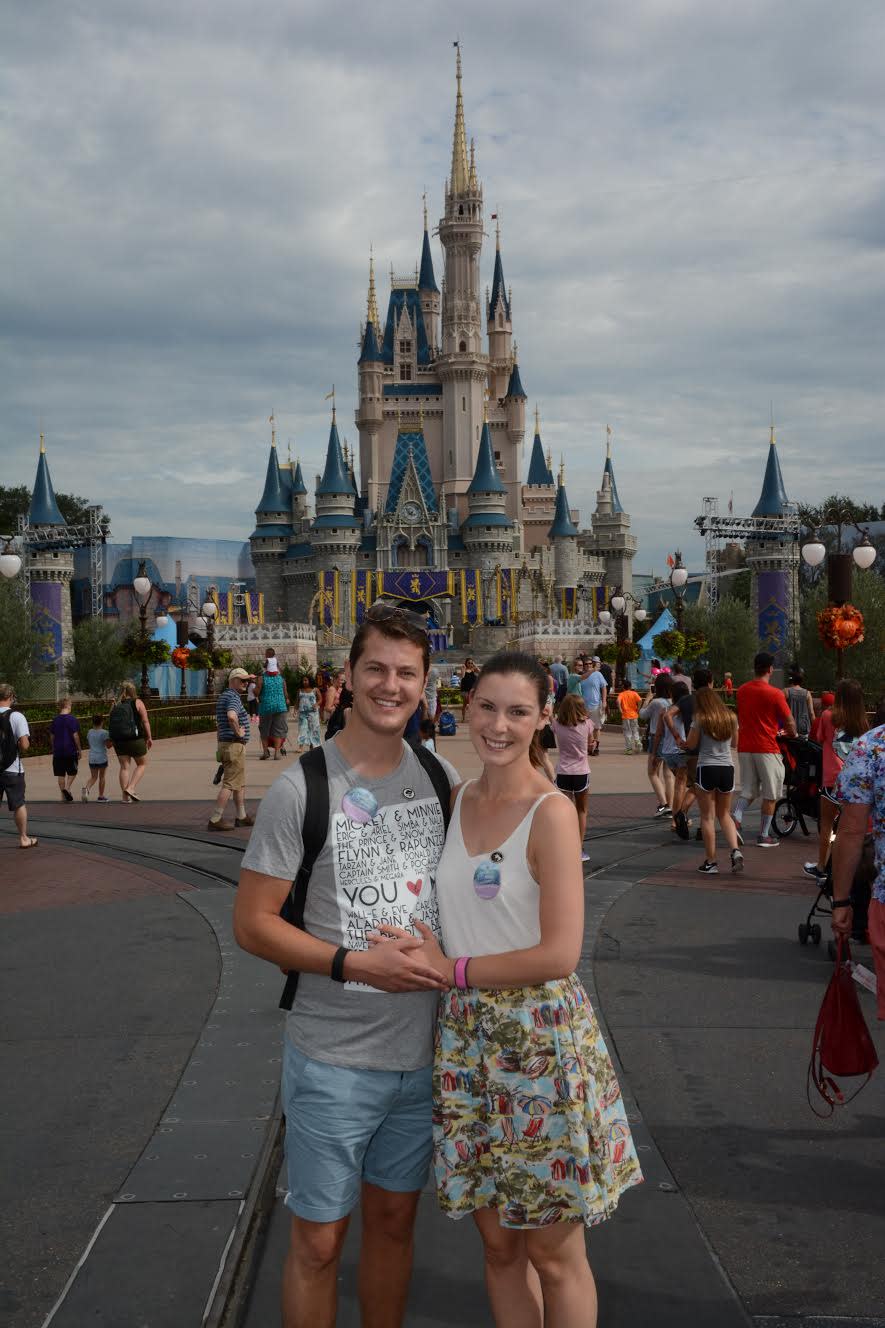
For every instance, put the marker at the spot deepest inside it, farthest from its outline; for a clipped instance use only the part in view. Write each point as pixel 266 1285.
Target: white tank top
pixel 488 902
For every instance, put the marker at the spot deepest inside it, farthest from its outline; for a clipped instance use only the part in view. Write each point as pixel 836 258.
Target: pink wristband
pixel 461 972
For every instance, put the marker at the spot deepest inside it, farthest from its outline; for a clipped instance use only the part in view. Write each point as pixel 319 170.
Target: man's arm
pixel 847 852
pixel 235 724
pixel 259 929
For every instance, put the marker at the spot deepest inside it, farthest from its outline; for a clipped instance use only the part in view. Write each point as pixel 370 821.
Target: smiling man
pixel 359 1040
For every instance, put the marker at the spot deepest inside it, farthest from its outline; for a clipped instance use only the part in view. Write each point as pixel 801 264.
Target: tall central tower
pixel 462 365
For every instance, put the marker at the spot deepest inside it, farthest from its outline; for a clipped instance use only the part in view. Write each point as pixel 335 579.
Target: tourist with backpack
pixel 358 825
pixel 15 738
pixel 130 733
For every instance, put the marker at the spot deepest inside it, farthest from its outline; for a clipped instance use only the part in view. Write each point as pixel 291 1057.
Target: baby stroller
pixel 803 761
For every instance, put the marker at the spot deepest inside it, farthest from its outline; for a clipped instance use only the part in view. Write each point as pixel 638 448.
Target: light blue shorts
pixel 346 1126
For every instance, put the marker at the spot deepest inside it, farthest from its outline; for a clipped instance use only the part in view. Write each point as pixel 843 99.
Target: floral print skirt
pixel 527 1114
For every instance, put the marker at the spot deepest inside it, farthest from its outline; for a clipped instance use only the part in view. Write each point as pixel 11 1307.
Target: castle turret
pixel 335 533
pixel 488 531
pixel 538 495
pixel 44 509
pixel 563 534
pixel 428 289
pixel 500 329
pixel 273 530
pixel 370 412
pixel 299 496
pixel 611 528
pixel 50 572
pixel 773 561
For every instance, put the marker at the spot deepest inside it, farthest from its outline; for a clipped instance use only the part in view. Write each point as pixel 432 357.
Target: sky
pixel 692 202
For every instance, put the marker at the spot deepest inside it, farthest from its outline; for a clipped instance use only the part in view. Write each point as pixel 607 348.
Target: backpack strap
pixel 314 831
pixel 436 773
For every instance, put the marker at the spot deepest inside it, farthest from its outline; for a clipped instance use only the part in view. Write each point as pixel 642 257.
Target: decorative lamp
pixel 813 553
pixel 618 603
pixel 864 553
pixel 209 609
pixel 640 615
pixel 162 619
pixel 10 563
pixel 678 577
pixel 605 617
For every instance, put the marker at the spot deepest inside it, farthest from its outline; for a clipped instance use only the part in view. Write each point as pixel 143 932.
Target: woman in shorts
pixel 132 752
pixel 714 734
pixel 574 732
pixel 657 702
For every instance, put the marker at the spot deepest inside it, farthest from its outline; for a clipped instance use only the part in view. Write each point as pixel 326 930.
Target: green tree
pixel 20 644
pixel 863 662
pixel 98 666
pixel 731 635
pixel 14 502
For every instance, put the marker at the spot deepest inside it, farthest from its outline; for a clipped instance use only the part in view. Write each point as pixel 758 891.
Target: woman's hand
pixel 431 949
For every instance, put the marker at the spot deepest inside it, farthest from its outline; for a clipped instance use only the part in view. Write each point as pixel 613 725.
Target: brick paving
pixel 55 875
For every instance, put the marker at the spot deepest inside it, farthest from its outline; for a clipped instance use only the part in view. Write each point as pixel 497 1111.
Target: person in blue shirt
pixel 595 694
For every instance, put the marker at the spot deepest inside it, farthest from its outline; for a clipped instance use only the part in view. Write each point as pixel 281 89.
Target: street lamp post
pixel 208 611
pixel 619 601
pixel 839 565
pixel 678 577
pixel 10 562
pixel 142 589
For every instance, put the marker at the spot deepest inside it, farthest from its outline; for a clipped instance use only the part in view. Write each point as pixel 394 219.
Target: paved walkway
pixel 141 1049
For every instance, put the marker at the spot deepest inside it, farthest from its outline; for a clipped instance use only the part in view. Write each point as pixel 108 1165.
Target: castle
pixel 444 513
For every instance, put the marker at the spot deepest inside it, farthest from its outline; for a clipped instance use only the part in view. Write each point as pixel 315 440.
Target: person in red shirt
pixel 763 711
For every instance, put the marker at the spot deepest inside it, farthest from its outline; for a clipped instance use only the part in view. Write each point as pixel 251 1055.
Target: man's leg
pixel 388 1224
pixel 20 816
pixel 310 1273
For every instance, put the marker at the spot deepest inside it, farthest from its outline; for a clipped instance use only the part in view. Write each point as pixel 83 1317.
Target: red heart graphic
pixel 415 886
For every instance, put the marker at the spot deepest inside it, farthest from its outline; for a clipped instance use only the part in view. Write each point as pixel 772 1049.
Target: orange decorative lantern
pixel 840 626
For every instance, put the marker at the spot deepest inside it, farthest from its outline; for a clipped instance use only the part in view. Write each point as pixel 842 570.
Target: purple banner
pixel 46 605
pixel 773 623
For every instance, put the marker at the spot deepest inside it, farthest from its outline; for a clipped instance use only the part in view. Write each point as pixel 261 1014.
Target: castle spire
pixel 427 279
pixel 608 472
pixel 773 498
pixel 336 476
pixel 372 300
pixel 499 290
pixel 486 478
pixel 460 177
pixel 44 510
pixel 474 181
pixel 563 526
pixel 273 499
pixel 539 470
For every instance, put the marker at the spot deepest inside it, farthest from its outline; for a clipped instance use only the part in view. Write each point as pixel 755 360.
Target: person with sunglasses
pixel 358 1047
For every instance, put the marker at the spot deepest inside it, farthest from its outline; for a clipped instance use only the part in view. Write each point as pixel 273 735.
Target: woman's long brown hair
pixel 849 710
pixel 712 715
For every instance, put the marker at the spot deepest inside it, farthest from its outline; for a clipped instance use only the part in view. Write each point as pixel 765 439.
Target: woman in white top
pixel 530 1132
pixel 657 702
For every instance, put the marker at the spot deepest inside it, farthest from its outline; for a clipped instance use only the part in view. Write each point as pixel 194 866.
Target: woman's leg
pixel 654 778
pixel 125 762
pixel 828 811
pixel 723 815
pixel 708 824
pixel 568 1290
pixel 511 1281
pixel 138 772
pixel 667 777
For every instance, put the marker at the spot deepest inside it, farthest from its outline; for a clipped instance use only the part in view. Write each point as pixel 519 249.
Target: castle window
pixel 497 456
pixel 405 348
pixel 405 373
pixel 463 404
pixel 462 346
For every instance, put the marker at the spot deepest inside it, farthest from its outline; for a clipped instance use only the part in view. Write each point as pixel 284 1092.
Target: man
pixel 679 674
pixel 15 738
pixel 232 723
pixel 605 670
pixel 358 1052
pixel 560 676
pixel 860 788
pixel 595 694
pixel 629 702
pixel 763 712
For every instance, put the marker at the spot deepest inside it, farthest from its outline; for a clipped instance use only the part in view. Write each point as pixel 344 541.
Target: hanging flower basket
pixel 201 658
pixel 143 650
pixel 180 656
pixel 840 626
pixel 612 651
pixel 670 644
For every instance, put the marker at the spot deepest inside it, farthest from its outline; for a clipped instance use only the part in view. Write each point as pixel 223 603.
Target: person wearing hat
pixel 232 722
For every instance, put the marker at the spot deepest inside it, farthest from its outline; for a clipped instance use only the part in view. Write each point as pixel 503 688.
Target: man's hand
pixel 394 965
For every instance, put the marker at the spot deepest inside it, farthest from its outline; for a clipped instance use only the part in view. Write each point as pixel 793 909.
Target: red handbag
pixel 842 1043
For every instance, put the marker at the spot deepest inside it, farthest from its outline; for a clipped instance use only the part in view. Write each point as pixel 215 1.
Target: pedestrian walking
pixel 467 683
pixel 629 702
pixel 800 703
pixel 574 733
pixel 130 734
pixel 252 699
pixel 15 738
pixel 273 707
pixel 762 713
pixel 308 714
pixel 595 694
pixel 98 740
pixel 232 727
pixel 840 726
pixel 560 673
pixel 657 702
pixel 64 741
pixel 713 733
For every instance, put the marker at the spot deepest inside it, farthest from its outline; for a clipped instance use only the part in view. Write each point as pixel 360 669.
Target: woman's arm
pixel 140 707
pixel 554 856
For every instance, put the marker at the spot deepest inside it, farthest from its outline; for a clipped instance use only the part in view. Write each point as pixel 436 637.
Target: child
pixel 99 741
pixel 427 731
pixel 574 732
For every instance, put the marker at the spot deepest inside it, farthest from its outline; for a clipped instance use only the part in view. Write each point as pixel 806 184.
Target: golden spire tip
pixel 42 443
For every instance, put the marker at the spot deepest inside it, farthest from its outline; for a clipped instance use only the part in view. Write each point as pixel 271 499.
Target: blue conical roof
pixel 336 477
pixel 370 351
pixel 773 498
pixel 427 281
pixel 608 469
pixel 562 521
pixel 44 509
pixel 498 289
pixel 539 472
pixel 274 498
pixel 514 387
pixel 486 478
pixel 298 485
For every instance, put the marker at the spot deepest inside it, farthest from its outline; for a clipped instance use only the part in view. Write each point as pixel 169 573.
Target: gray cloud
pixel 691 206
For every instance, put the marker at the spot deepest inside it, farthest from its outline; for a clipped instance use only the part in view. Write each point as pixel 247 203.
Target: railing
pixel 175 719
pixel 227 634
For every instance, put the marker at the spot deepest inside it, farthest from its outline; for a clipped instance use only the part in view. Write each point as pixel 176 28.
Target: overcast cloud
pixel 692 197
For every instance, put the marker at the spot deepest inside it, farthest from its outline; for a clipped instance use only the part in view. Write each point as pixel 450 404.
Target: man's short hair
pixel 762 663
pixel 395 626
pixel 701 678
pixel 7 691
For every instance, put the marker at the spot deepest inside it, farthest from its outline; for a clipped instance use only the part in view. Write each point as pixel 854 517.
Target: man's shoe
pixel 102 799
pixel 811 869
pixel 708 868
pixel 245 820
pixel 768 841
pixel 219 825
pixel 737 860
pixel 680 821
pixel 68 797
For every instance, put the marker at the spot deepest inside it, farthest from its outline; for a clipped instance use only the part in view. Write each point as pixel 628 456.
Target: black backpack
pixel 315 830
pixel 8 741
pixel 123 721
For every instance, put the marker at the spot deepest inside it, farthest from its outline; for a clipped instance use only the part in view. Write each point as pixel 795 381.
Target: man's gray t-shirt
pixel 377 867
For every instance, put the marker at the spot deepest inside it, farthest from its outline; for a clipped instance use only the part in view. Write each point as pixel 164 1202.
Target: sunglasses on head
pixel 384 612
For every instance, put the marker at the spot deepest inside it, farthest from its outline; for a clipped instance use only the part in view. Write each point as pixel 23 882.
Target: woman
pixel 800 703
pixel 657 701
pixel 837 730
pixel 308 714
pixel 131 752
pixel 574 733
pixel 273 707
pixel 530 1132
pixel 467 684
pixel 714 734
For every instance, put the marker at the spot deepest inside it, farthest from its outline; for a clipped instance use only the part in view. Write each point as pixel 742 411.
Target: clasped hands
pixel 396 960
